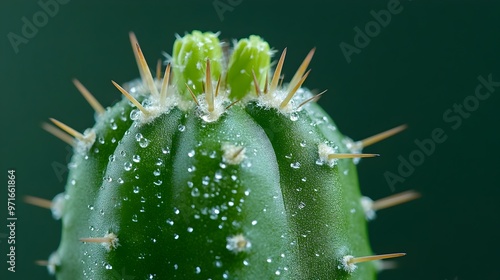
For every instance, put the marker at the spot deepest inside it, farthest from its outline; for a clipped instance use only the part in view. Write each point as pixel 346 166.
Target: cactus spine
pixel 214 171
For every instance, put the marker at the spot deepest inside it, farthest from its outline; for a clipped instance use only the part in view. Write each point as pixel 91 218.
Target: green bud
pixel 189 60
pixel 249 54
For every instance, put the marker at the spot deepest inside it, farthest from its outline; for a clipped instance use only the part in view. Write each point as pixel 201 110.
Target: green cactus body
pixel 205 187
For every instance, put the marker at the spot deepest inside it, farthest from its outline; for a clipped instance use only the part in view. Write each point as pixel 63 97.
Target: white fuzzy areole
pixel 112 244
pixel 238 243
pixel 367 204
pixel 57 207
pixel 233 154
pixel 219 107
pixel 324 151
pixel 275 99
pixel 157 107
pixel 83 145
pixel 53 262
pixel 346 265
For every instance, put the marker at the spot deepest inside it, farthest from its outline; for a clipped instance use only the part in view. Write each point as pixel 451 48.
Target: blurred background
pixel 421 67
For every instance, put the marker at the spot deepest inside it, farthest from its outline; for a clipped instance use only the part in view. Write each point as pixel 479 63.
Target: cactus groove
pixel 214 170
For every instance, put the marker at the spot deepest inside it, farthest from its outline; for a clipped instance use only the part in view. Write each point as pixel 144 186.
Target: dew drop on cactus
pixel 214 169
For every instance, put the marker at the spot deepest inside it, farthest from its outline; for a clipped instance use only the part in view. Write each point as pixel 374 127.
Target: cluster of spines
pixel 159 91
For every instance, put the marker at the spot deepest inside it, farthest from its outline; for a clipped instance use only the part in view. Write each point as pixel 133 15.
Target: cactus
pixel 214 170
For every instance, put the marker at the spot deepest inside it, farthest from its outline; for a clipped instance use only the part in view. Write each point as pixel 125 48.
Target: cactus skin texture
pixel 194 185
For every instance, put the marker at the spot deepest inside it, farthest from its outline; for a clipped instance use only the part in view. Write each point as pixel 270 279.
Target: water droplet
pixel 288 156
pixel 197 270
pixel 134 114
pixel 302 205
pixel 123 153
pixel 346 172
pixel 218 175
pixel 205 180
pixel 144 143
pixel 136 189
pixel 108 266
pixel 176 236
pixel 195 192
pixel 254 222
pixel 246 263
pixel 269 260
pixel 191 169
pixel 127 166
pixel 138 137
pixel 113 140
pixel 91 228
pixel 134 218
pixel 90 206
pixel 295 165
pixel 159 162
pixel 303 143
pixel 181 128
pixel 170 222
pixel 119 180
pixel 157 172
pixel 304 179
pixel 294 116
pixel 73 182
pixel 158 182
pixel 191 153
pixel 113 126
pixel 165 150
pixel 190 229
pixel 278 273
pixel 101 140
pixel 136 158
pixel 107 179
pixel 176 211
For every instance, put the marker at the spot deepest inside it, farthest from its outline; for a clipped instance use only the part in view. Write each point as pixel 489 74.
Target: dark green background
pixel 427 59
